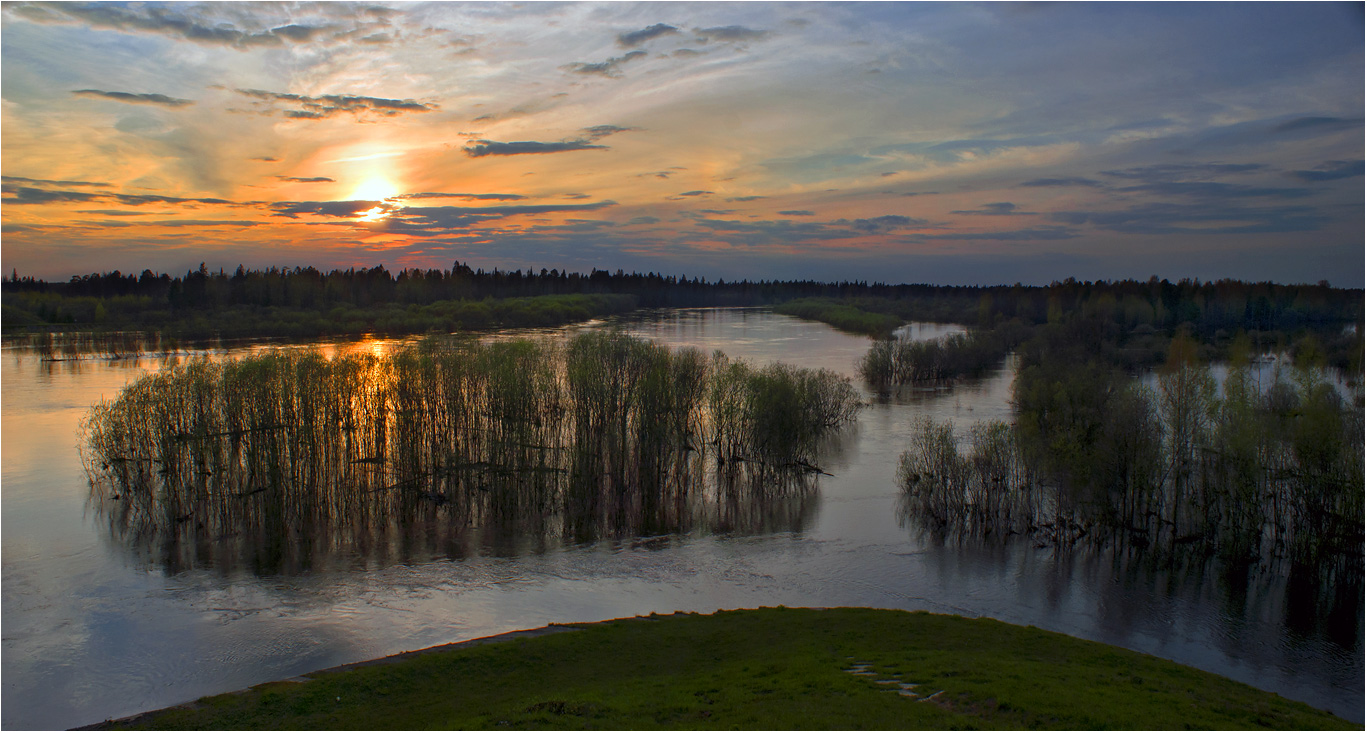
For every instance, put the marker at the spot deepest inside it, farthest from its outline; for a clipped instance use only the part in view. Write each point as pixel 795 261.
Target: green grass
pixel 845 316
pixel 763 669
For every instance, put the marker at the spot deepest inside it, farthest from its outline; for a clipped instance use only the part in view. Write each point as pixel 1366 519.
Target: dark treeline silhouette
pixel 276 460
pixel 202 301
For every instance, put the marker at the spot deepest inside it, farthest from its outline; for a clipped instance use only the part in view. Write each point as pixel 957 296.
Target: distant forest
pixel 303 302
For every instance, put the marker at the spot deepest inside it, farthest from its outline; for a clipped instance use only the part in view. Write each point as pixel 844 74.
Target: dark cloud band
pixel 636 38
pixel 329 105
pixel 482 148
pixel 131 98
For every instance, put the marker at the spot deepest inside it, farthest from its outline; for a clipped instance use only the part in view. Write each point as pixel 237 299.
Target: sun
pixel 375 188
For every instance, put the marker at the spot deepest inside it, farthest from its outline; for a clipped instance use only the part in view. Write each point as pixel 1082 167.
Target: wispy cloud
pixel 598 132
pixel 730 34
pixel 610 68
pixel 316 179
pixel 29 195
pixel 1001 208
pixel 586 141
pixel 1033 234
pixel 1183 171
pixel 466 196
pixel 1060 182
pixel 636 38
pixel 438 220
pixel 1214 189
pixel 881 224
pixel 131 98
pixel 1319 123
pixel 481 148
pixel 174 20
pixel 44 182
pixel 1331 171
pixel 330 105
pixel 1199 219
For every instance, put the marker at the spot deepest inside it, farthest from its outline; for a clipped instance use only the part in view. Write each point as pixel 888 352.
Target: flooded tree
pixel 605 435
pixel 1236 470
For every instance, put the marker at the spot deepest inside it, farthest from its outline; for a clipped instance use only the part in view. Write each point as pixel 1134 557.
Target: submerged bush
pixel 1244 475
pixel 900 361
pixel 605 434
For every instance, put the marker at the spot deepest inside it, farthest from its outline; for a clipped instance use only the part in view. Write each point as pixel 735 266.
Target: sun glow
pixel 375 188
pixel 375 214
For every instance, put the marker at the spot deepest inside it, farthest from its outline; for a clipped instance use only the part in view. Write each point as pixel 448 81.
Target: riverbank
pixel 769 668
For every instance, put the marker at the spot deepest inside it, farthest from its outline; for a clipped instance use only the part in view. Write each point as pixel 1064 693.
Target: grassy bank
pixel 761 669
pixel 40 312
pixel 843 315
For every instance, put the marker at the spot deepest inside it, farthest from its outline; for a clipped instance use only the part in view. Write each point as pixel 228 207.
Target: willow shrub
pixel 1247 475
pixel 602 434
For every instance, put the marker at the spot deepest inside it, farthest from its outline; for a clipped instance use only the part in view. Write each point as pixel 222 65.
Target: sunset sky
pixel 892 142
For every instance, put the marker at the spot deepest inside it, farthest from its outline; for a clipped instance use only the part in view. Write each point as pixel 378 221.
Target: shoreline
pixel 819 668
pixel 377 661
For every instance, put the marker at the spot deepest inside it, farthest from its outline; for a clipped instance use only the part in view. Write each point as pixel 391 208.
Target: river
pixel 93 629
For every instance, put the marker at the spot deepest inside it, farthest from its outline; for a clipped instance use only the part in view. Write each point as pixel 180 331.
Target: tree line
pixel 117 300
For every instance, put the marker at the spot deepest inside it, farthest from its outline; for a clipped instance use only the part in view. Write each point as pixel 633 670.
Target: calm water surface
pixel 92 630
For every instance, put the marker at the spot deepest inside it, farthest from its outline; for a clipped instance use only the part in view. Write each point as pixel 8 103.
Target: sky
pixel 957 143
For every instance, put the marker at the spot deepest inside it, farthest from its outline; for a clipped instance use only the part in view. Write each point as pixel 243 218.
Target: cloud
pixel 1074 181
pixel 1212 189
pixel 421 221
pixel 609 68
pixel 481 148
pixel 267 159
pixel 1324 123
pixel 318 179
pixel 468 196
pixel 29 195
pixel 130 98
pixel 696 193
pixel 1049 233
pixel 643 220
pixel 439 220
pixel 730 34
pixel 43 182
pixel 202 223
pixel 166 20
pixel 881 224
pixel 601 131
pixel 1203 218
pixel 1183 171
pixel 1003 208
pixel 335 209
pixel 330 105
pixel 802 212
pixel 795 233
pixel 745 198
pixel 636 38
pixel 1331 171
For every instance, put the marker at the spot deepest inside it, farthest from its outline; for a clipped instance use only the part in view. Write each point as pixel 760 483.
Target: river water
pixel 93 630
